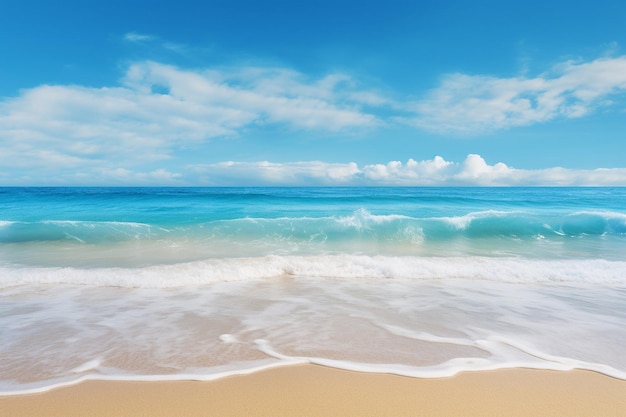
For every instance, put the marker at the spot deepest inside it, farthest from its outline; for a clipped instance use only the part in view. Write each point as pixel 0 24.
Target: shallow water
pixel 201 283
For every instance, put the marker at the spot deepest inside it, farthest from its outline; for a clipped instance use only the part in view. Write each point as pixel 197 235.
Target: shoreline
pixel 314 390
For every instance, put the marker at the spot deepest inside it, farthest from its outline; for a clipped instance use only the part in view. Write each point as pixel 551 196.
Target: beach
pixel 303 209
pixel 309 390
pixel 312 301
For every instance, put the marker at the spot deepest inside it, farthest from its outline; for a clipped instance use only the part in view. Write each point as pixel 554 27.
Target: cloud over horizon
pixel 437 172
pixel 133 132
pixel 473 171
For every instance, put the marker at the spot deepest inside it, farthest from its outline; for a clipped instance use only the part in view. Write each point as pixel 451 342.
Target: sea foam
pixel 416 328
pixel 350 267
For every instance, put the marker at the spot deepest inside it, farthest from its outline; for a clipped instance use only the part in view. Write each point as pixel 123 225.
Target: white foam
pixel 361 219
pixel 326 266
pixel 205 375
pixel 87 366
pixel 454 366
pixel 93 224
pixel 228 338
pixel 462 222
pixel 608 215
pixel 421 328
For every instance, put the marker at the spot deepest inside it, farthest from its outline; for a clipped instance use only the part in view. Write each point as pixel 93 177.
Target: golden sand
pixel 310 390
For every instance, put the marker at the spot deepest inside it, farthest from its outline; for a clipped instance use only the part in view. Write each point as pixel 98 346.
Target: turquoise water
pixel 40 226
pixel 174 283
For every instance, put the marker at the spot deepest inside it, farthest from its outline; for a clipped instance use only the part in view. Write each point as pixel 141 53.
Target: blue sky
pixel 312 93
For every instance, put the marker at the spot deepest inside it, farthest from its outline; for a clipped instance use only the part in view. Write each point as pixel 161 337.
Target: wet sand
pixel 310 390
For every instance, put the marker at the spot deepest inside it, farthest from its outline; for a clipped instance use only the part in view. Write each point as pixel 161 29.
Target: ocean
pixel 201 283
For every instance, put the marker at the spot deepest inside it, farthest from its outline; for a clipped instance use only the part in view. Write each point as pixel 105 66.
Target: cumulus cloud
pixel 158 108
pixel 473 171
pixel 474 104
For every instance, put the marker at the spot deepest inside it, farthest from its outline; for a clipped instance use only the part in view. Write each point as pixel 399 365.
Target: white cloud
pixel 158 108
pixel 130 133
pixel 269 95
pixel 473 171
pixel 92 176
pixel 124 176
pixel 474 104
pixel 271 173
pixel 138 37
pixel 424 173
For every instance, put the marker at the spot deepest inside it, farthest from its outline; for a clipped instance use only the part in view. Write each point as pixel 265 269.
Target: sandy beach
pixel 310 390
pixel 257 302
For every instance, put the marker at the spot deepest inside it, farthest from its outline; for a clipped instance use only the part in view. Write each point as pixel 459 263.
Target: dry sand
pixel 310 390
